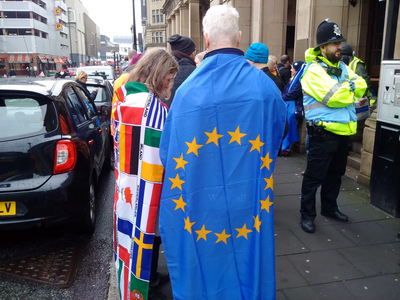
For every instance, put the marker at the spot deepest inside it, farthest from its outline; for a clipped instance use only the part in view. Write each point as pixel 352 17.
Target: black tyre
pixel 89 217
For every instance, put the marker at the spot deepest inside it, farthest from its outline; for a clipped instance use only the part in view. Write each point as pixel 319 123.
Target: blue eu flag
pixel 219 147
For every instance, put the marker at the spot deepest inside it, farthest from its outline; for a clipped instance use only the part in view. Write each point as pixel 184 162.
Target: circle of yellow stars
pixel 193 147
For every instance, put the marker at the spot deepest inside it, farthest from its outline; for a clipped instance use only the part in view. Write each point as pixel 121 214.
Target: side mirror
pixel 105 110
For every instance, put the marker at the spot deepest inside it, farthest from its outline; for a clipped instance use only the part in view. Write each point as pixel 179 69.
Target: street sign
pixel 58 26
pixel 57 11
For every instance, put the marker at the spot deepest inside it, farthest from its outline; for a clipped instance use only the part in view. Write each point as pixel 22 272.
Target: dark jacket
pixel 274 78
pixel 284 72
pixel 295 94
pixel 186 67
pixel 92 95
pixel 12 73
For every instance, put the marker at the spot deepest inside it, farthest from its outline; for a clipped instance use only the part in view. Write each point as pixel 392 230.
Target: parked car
pixel 94 72
pixel 72 71
pixel 55 145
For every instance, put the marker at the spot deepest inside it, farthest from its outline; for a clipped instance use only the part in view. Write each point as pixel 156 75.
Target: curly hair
pixel 151 70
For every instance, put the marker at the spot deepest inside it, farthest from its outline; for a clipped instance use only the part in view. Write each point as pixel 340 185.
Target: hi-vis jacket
pixel 328 97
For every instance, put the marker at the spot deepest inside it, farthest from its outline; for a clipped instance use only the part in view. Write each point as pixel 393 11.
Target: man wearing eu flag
pixel 219 147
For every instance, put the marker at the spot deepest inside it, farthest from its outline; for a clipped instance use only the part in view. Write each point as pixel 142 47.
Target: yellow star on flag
pixel 176 182
pixel 222 237
pixel 270 182
pixel 188 224
pixel 243 231
pixel 265 204
pixel 202 233
pixel 193 147
pixel 266 161
pixel 213 136
pixel 180 163
pixel 236 136
pixel 256 144
pixel 257 223
pixel 180 203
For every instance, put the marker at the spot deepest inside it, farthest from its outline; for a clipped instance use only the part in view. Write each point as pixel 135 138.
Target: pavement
pixel 359 259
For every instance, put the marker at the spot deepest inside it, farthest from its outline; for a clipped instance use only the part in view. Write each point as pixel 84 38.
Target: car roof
pixel 46 87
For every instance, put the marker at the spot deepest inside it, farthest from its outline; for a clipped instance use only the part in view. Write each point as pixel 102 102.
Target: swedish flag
pixel 219 147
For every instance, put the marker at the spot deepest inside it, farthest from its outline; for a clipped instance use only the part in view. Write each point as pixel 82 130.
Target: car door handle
pixel 91 142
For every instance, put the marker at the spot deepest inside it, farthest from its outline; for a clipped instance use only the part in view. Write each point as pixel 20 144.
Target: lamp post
pixel 69 29
pixel 134 26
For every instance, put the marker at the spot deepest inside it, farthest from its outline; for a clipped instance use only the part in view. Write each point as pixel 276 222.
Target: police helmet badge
pixel 336 30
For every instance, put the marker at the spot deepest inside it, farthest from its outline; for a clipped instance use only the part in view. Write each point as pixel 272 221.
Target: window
pixel 157 15
pixel 25 116
pixel 89 107
pixel 75 106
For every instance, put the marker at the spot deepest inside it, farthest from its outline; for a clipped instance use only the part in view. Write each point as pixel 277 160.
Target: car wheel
pixel 89 220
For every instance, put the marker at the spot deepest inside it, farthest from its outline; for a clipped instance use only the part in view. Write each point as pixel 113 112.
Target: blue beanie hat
pixel 297 64
pixel 257 53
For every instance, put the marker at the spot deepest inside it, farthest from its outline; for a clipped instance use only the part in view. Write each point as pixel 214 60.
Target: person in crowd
pixel 293 97
pixel 359 67
pixel 139 121
pixel 81 78
pixel 5 72
pixel 330 89
pixel 219 146
pixel 272 65
pixel 12 73
pixel 257 55
pixel 28 73
pixel 128 60
pixel 284 69
pixel 184 51
pixel 199 58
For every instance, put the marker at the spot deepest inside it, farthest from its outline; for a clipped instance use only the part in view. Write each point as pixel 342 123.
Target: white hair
pixel 221 23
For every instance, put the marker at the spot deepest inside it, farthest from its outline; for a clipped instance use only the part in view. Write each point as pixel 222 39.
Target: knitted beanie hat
pixel 257 53
pixel 181 43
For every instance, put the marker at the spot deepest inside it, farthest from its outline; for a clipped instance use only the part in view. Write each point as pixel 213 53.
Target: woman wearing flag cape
pixel 139 118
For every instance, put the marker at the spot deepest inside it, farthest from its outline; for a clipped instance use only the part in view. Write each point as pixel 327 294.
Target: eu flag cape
pixel 219 147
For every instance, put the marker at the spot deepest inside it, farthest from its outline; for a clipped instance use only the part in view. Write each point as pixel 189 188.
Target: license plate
pixel 7 208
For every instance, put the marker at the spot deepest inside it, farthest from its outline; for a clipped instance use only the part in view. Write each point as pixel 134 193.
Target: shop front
pixel 18 63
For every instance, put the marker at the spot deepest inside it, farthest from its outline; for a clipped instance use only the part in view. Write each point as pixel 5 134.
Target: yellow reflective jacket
pixel 328 97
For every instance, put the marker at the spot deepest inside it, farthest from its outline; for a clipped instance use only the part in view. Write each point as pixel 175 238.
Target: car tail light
pixel 65 157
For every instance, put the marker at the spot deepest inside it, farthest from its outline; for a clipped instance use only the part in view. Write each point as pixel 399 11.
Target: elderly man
pixel 127 60
pixel 329 89
pixel 219 147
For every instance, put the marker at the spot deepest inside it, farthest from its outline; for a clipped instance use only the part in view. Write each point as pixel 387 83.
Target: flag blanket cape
pixel 219 146
pixel 138 121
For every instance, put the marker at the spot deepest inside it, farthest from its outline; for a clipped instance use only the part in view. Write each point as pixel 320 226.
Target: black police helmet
pixel 328 32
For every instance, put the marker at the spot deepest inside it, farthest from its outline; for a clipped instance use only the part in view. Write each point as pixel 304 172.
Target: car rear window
pixel 25 116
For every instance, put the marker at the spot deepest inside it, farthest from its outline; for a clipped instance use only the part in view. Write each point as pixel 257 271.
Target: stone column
pixel 173 26
pixel 177 21
pixel 194 22
pixel 367 150
pixel 184 13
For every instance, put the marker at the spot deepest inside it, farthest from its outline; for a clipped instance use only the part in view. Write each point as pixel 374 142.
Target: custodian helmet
pixel 328 32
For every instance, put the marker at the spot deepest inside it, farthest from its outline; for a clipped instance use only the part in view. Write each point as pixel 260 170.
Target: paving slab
pixel 362 213
pixel 280 296
pixel 367 233
pixel 286 219
pixel 286 189
pixel 330 291
pixel 372 260
pixel 390 223
pixel 287 202
pixel 324 238
pixel 375 288
pixel 324 267
pixel 287 243
pixel 286 274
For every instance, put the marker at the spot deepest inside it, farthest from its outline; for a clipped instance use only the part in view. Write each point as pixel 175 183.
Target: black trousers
pixel 326 164
pixel 154 259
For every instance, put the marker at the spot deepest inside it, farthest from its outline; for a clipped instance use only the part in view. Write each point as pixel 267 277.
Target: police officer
pixel 358 67
pixel 330 89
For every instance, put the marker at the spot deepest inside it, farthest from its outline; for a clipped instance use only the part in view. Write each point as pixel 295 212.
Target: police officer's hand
pixel 361 101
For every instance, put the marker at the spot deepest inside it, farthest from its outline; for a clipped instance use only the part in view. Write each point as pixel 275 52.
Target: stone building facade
pixel 155 27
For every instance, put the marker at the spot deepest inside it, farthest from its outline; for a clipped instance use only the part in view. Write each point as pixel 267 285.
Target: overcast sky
pixel 114 17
